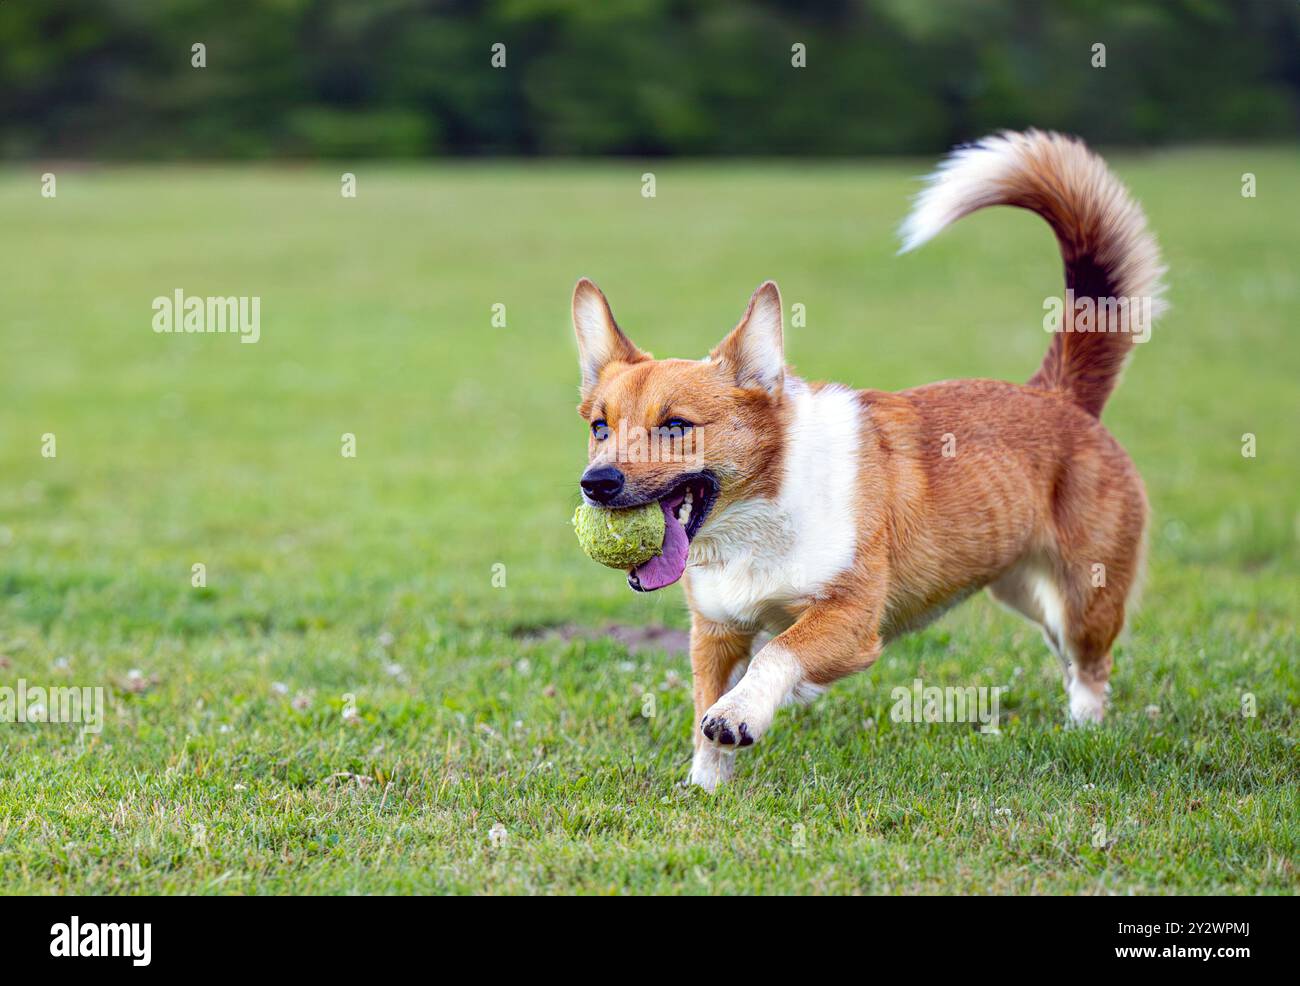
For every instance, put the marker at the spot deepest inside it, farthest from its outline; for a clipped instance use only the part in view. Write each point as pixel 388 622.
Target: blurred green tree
pixel 407 78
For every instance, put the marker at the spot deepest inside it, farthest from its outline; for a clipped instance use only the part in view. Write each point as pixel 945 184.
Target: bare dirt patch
pixel 637 640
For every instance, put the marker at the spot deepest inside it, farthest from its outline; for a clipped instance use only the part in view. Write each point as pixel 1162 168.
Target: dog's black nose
pixel 602 483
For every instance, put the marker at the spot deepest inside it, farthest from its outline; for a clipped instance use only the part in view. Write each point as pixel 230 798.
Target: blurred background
pixel 406 78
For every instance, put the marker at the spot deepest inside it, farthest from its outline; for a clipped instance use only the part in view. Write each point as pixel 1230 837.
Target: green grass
pixel 373 576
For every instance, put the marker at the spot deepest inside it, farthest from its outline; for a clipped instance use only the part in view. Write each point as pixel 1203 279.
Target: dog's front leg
pixel 715 652
pixel 831 639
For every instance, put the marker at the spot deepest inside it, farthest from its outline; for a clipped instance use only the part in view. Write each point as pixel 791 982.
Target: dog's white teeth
pixel 683 512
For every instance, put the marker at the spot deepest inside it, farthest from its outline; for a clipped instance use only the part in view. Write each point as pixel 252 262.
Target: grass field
pixel 226 763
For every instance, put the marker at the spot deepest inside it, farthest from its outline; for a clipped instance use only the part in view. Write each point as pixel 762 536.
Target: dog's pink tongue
pixel 666 568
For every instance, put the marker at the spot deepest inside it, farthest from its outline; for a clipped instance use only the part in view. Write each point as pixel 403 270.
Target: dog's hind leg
pixel 1080 617
pixel 1080 607
pixel 1099 519
pixel 1095 609
pixel 1029 589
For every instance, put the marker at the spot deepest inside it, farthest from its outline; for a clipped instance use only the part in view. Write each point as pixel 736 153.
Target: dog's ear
pixel 754 352
pixel 600 341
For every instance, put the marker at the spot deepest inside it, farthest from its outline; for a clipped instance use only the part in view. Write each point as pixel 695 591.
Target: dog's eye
pixel 600 429
pixel 676 427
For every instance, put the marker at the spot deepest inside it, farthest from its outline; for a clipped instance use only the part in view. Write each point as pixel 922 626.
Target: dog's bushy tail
pixel 1111 259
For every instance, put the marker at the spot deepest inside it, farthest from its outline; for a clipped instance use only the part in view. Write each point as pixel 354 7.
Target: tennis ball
pixel 620 538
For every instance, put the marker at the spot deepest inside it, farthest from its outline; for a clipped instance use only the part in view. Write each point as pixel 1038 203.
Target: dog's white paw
pixel 732 723
pixel 1087 702
pixel 712 766
pixel 743 715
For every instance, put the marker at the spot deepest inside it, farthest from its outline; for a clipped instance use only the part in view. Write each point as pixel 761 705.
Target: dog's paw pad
pixel 718 730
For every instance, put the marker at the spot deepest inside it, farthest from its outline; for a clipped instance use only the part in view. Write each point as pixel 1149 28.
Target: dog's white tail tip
pixel 970 177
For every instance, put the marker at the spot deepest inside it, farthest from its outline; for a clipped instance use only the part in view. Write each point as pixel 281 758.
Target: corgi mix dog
pixel 838 519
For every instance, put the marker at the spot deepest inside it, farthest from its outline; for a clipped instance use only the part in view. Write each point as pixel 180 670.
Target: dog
pixel 837 519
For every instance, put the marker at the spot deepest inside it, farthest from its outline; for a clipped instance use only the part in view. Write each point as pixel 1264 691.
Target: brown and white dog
pixel 839 519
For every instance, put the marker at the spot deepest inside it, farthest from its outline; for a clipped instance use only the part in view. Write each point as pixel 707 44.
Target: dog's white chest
pixel 748 592
pixel 761 562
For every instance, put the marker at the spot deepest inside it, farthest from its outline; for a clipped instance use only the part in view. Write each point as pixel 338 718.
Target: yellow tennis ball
pixel 620 538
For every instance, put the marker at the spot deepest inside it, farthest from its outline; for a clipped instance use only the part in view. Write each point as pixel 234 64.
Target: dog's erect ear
pixel 755 350
pixel 600 341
